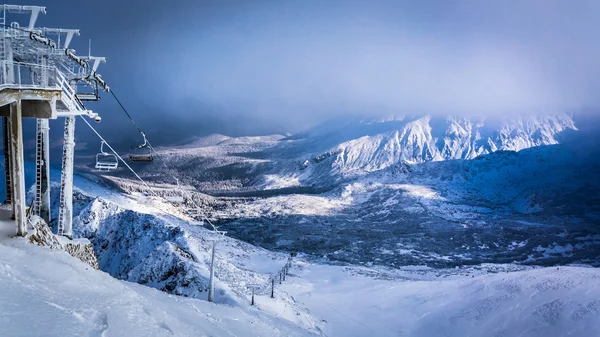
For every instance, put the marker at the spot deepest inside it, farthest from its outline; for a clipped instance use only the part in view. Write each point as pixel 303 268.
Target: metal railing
pixel 17 75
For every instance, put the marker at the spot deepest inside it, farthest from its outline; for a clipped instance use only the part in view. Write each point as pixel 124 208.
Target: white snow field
pixel 46 292
pixel 49 293
pixel 540 302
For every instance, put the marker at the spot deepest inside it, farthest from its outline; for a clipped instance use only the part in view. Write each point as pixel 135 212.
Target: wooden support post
pixel 273 287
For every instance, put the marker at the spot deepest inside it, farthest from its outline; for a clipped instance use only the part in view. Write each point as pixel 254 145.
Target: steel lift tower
pixel 39 78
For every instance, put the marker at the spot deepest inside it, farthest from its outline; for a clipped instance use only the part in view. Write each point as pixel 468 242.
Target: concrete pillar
pixel 7 164
pixel 18 167
pixel 65 216
pixel 45 210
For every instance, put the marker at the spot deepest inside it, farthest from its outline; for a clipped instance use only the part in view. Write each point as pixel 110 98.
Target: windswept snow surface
pixel 49 293
pixel 540 302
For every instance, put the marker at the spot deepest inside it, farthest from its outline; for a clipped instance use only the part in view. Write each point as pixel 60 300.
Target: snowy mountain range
pixel 477 188
pixel 378 144
pixel 351 147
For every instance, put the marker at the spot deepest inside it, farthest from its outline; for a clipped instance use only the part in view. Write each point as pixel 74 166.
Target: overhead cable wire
pixel 202 215
pixel 118 156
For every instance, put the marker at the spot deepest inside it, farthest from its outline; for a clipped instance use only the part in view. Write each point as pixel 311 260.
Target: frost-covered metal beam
pixel 69 34
pixel 43 159
pixel 96 60
pixel 211 280
pixel 33 11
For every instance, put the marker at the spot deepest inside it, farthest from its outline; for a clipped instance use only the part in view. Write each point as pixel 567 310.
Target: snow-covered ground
pixel 399 192
pixel 548 302
pixel 47 292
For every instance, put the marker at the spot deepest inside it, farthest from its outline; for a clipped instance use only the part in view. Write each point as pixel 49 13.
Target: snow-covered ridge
pixel 164 253
pixel 426 138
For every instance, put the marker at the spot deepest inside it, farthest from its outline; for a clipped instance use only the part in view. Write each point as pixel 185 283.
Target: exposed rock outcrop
pixel 42 235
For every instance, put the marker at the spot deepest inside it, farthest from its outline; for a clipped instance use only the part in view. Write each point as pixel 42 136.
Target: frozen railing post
pixel 273 287
pixel 280 277
pixel 253 288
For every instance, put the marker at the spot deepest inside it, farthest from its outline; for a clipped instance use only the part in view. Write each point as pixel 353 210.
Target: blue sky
pixel 188 67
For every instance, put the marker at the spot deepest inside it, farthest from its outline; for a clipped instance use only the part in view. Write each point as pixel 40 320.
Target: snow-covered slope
pixel 548 302
pixel 402 193
pixel 49 293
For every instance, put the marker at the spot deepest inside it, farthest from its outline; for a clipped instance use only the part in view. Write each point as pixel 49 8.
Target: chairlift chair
pixel 89 96
pixel 142 153
pixel 106 161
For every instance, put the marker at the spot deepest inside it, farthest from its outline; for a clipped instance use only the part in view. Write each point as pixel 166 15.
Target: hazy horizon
pixel 193 68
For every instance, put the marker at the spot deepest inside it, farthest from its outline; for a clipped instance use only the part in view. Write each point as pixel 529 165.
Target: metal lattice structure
pixel 40 76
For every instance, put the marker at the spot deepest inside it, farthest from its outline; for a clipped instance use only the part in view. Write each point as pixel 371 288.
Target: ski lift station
pixel 42 78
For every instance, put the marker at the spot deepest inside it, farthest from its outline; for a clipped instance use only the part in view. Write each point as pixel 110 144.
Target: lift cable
pixel 126 112
pixel 118 156
pixel 202 215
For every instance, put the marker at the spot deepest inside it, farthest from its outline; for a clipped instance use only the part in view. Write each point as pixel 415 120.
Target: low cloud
pixel 255 67
pixel 310 62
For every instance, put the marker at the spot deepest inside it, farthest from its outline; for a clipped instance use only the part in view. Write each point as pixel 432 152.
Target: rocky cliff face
pixel 41 235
